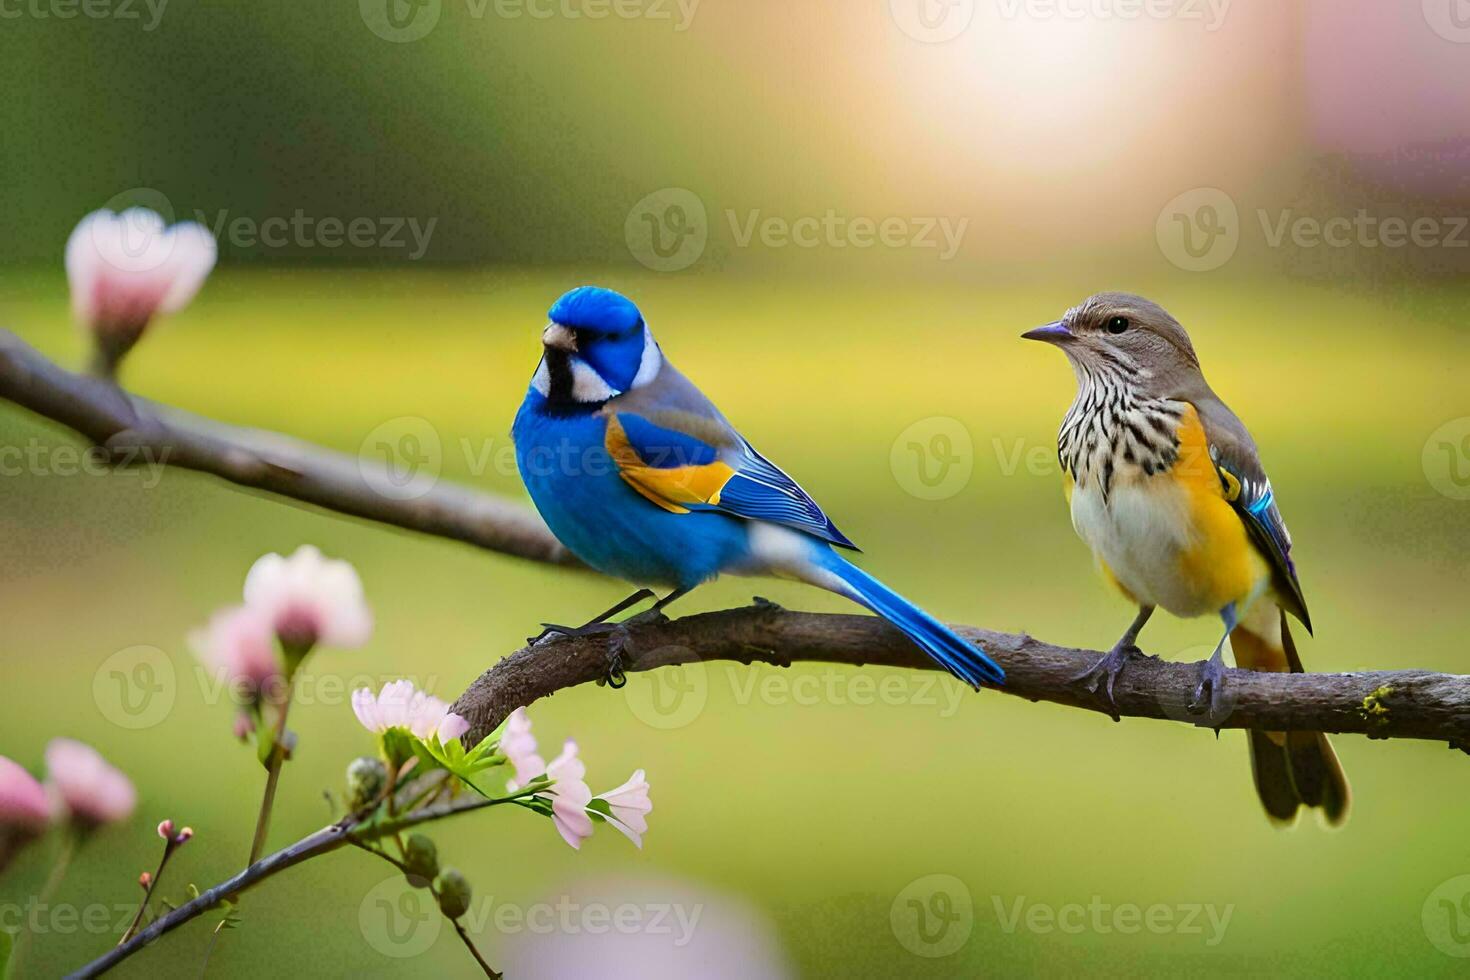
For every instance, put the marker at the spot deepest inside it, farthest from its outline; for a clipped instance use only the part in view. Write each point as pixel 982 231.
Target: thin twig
pixel 463 936
pixel 69 844
pixel 273 774
pixel 168 849
pixel 349 830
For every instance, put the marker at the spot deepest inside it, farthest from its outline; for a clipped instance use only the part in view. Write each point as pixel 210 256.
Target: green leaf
pixel 399 746
pixel 7 943
pixel 463 764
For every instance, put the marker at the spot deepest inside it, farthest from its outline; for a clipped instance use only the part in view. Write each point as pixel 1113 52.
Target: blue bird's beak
pixel 1052 333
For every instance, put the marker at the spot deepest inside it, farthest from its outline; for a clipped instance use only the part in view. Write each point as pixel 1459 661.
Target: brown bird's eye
pixel 1118 324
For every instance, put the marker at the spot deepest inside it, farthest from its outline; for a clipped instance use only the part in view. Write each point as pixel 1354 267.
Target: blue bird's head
pixel 595 348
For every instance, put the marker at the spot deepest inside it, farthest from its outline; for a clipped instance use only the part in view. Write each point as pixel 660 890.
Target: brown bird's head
pixel 1127 336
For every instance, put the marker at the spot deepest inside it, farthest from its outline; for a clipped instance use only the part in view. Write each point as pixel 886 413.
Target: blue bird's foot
pixel 1101 676
pixel 618 636
pixel 1209 694
pixel 618 641
pixel 590 628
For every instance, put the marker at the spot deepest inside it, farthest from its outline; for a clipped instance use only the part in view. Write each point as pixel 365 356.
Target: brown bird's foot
pixel 1101 676
pixel 1209 694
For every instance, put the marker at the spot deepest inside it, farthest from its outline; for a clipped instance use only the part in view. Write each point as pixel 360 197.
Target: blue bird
pixel 642 478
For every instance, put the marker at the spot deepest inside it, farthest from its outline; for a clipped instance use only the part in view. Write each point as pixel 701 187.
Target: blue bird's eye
pixel 1117 324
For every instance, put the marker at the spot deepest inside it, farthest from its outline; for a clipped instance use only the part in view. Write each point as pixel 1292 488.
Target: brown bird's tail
pixel 1291 769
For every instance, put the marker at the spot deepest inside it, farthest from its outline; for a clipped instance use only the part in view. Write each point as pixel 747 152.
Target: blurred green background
pixel 805 824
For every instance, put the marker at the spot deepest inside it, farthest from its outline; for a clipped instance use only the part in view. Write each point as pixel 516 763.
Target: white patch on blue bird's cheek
pixel 652 360
pixel 587 384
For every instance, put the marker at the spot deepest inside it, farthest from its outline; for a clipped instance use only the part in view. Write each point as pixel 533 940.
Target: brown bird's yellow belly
pixel 1171 539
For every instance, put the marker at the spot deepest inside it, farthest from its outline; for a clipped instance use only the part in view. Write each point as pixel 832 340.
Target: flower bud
pixel 454 893
pixel 244 726
pixel 366 778
pixel 145 879
pixel 421 858
pixel 166 829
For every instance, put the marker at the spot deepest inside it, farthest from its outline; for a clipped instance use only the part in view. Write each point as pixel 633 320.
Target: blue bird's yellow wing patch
pixel 669 468
pixel 680 471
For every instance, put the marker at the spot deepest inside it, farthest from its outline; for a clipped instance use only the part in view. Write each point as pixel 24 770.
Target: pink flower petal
pixel 23 802
pixel 94 792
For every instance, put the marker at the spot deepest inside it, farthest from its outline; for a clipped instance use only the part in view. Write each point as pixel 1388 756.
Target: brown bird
pixel 1167 489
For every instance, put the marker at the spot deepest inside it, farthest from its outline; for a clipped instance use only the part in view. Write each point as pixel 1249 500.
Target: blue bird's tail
pixel 960 657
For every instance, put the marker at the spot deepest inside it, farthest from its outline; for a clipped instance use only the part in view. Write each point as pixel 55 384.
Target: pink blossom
pixel 310 599
pixel 401 705
pixel 125 268
pixel 630 806
pixel 240 645
pixel 569 796
pixel 518 745
pixel 24 806
pixel 92 790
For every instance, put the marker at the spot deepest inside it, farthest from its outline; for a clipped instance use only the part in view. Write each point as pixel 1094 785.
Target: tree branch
pixel 1380 704
pixel 134 431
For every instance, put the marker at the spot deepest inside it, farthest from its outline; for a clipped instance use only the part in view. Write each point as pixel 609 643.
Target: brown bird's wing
pixel 1249 490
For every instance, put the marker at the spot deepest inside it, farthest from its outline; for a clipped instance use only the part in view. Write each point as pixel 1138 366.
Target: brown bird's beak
pixel 1052 333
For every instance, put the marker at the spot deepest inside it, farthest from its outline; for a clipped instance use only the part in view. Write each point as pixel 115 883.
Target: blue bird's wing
pixel 685 461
